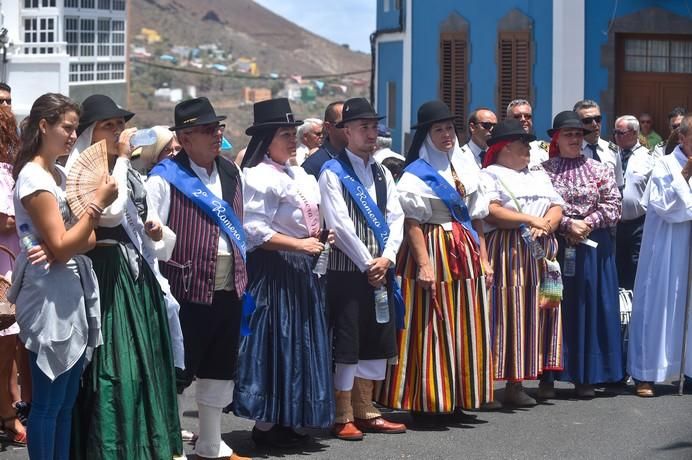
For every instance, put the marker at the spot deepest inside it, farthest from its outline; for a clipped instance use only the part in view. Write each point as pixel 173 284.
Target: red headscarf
pixel 491 154
pixel 554 150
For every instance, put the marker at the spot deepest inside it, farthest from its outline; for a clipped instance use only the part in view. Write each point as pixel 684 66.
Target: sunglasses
pixel 486 125
pixel 524 116
pixel 618 132
pixel 6 101
pixel 590 120
pixel 210 130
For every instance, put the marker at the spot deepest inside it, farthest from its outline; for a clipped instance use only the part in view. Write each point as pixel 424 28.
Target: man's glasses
pixel 7 101
pixel 210 130
pixel 590 120
pixel 622 132
pixel 522 116
pixel 486 125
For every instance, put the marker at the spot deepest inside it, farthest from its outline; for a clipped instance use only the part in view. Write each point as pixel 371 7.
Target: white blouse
pixel 531 188
pixel 421 203
pixel 273 195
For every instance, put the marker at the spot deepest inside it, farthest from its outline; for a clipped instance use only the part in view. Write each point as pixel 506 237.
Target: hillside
pixel 240 30
pixel 248 29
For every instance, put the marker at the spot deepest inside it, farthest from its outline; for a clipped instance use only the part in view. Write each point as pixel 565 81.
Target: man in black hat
pixel 334 140
pixel 357 193
pixel 198 194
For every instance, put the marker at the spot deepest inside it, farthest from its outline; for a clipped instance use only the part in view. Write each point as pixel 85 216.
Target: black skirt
pixel 351 313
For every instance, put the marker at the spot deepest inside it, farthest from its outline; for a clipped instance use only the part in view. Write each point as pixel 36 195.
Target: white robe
pixel 660 288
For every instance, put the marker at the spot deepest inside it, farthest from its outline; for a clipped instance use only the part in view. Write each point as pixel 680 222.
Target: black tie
pixel 594 148
pixel 481 156
pixel 626 154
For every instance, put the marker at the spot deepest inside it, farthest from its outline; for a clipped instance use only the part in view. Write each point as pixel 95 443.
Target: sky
pixel 341 21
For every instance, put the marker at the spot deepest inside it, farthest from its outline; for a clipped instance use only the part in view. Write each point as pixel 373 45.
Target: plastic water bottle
pixel 536 249
pixel 143 137
pixel 569 266
pixel 28 240
pixel 381 305
pixel 320 267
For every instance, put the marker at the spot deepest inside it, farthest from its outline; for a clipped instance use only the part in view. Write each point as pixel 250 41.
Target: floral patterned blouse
pixel 589 190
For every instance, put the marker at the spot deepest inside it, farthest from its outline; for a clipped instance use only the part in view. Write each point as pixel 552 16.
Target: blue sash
pixel 375 220
pixel 445 192
pixel 217 209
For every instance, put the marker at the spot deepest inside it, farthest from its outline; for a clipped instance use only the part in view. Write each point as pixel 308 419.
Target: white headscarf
pixel 82 142
pixel 441 162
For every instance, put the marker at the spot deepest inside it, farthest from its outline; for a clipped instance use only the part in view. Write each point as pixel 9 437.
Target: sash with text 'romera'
pixel 373 217
pixel 445 192
pixel 218 210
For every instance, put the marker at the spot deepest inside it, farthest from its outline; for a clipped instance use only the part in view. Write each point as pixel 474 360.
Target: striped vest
pixel 192 267
pixel 338 261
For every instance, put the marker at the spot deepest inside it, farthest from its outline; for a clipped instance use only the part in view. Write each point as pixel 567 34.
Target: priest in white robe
pixel 663 274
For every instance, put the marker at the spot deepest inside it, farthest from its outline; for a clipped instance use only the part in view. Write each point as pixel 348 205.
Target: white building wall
pixel 569 25
pixel 37 68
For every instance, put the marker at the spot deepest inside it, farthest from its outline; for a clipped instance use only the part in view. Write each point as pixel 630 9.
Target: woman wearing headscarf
pixel 284 366
pixel 127 404
pixel 445 359
pixel 527 333
pixel 590 308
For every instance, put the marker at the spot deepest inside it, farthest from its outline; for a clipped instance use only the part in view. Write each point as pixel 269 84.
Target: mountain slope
pixel 246 29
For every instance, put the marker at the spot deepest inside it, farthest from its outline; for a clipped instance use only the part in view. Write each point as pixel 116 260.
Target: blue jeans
pixel 50 419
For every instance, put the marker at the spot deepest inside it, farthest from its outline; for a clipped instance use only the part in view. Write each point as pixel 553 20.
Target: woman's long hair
pixel 9 140
pixel 258 147
pixel 50 107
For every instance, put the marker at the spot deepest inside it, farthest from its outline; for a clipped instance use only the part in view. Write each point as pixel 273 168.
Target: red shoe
pixel 379 425
pixel 347 431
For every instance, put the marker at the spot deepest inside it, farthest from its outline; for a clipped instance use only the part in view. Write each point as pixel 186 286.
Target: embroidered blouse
pixel 275 196
pixel 589 190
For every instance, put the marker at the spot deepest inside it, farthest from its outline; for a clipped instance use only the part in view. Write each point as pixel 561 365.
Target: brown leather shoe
pixel 347 431
pixel 379 425
pixel 644 390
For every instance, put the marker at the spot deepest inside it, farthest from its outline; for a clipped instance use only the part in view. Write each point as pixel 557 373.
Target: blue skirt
pixel 284 371
pixel 592 346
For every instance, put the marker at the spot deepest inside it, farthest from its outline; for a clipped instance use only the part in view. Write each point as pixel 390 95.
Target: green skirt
pixel 127 406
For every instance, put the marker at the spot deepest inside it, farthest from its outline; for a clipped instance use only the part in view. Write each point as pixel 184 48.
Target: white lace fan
pixel 85 176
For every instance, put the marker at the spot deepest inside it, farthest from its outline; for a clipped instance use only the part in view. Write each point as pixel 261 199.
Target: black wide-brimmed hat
pixel 195 112
pixel 272 113
pixel 433 112
pixel 567 119
pixel 357 108
pixel 509 129
pixel 98 107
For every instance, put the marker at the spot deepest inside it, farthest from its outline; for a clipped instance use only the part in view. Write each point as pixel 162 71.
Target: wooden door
pixel 654 74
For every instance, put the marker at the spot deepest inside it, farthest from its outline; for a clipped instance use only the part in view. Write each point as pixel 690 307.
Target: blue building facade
pixel 552 52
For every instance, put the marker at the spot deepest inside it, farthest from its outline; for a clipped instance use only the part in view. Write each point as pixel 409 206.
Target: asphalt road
pixel 610 426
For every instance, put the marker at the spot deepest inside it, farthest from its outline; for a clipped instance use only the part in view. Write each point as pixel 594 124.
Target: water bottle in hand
pixel 381 305
pixel 28 240
pixel 534 245
pixel 143 137
pixel 320 267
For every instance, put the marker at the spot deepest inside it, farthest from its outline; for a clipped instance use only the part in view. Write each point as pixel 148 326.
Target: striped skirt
pixel 444 353
pixel 527 340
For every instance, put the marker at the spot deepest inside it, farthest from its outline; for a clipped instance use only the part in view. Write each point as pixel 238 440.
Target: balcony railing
pixel 37 49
